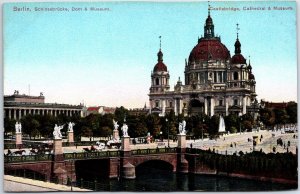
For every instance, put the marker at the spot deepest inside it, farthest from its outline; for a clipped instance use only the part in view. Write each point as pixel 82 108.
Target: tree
pixel 86 132
pixel 213 125
pixel 141 129
pixel 29 124
pixel 291 111
pixel 231 122
pixel 153 124
pixel 281 116
pixel 9 125
pixel 266 117
pixel 120 114
pixel 105 131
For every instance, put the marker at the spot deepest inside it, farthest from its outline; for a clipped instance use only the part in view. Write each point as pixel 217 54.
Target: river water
pixel 153 179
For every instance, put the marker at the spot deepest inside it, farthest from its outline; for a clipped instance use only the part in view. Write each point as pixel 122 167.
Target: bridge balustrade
pixel 153 151
pixel 29 158
pixel 91 155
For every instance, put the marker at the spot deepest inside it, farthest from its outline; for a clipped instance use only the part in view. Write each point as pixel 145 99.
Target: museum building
pixel 215 83
pixel 18 105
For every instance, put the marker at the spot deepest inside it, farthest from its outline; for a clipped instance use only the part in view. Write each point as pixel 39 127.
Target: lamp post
pixel 161 138
pixel 168 131
pixel 240 123
pixel 202 128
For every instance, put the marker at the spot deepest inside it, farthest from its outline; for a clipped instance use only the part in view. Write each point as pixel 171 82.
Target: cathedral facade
pixel 215 82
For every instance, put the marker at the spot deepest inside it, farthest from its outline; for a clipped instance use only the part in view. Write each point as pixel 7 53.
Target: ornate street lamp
pixel 168 131
pixel 240 114
pixel 202 128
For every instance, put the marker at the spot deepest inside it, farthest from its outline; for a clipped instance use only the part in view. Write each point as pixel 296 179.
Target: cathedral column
pixel 180 106
pixel 163 107
pixel 212 106
pixel 244 105
pixel 175 106
pixel 19 113
pixel 205 105
pixel 226 106
pixel 15 114
pixel 9 113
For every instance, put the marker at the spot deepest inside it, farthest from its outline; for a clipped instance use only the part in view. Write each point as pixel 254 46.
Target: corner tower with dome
pixel 215 83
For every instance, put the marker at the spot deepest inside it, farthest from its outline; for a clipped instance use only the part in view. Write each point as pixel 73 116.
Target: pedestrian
pixel 191 145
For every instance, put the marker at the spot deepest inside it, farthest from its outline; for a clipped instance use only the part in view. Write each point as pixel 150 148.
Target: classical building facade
pixel 215 82
pixel 18 105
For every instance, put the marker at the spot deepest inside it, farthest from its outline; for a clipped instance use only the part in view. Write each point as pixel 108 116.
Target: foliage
pixel 291 111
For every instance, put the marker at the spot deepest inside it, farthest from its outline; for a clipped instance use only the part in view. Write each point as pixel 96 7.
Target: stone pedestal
pixel 57 147
pixel 116 134
pixel 126 144
pixel 70 138
pixel 181 141
pixel 128 171
pixel 60 174
pixel 182 163
pixel 183 166
pixel 18 139
pixel 59 168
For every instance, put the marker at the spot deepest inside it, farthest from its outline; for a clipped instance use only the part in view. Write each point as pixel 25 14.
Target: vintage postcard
pixel 150 96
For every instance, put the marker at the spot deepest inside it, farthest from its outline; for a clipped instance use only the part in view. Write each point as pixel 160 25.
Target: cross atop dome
pixel 209 8
pixel 237 31
pixel 159 54
pixel 159 42
pixel 209 26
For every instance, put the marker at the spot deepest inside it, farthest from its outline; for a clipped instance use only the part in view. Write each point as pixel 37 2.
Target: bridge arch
pixel 171 159
pixel 159 164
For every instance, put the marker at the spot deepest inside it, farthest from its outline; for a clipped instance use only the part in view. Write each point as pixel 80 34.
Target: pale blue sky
pixel 106 58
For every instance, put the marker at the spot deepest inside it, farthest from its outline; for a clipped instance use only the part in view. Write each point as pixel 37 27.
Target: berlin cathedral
pixel 214 84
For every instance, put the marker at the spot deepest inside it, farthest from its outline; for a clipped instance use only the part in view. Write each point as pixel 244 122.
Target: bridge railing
pixel 27 158
pixel 153 151
pixel 90 155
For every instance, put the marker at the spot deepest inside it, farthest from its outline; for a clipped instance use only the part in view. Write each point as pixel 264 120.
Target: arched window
pixel 235 102
pixel 235 76
pixel 157 81
pixel 156 104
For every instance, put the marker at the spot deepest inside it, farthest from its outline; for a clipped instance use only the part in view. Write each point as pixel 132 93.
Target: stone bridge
pixel 121 163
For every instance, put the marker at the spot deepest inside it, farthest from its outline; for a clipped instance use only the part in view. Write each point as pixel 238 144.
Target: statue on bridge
pixel 70 126
pixel 124 128
pixel 181 127
pixel 116 126
pixel 56 133
pixel 18 127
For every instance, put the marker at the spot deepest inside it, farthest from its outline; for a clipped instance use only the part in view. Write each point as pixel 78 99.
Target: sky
pixel 106 57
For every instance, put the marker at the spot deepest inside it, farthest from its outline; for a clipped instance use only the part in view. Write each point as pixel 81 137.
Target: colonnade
pixel 18 112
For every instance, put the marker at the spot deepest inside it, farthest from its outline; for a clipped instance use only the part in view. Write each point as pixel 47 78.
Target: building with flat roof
pixel 18 105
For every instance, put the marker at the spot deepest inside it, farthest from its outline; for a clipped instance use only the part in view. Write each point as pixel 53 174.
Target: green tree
pixel 231 121
pixel 105 131
pixel 213 125
pixel 153 124
pixel 281 116
pixel 120 114
pixel 291 111
pixel 9 125
pixel 86 132
pixel 29 124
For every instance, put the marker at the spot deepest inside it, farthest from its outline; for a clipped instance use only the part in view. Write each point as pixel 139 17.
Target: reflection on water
pixel 152 179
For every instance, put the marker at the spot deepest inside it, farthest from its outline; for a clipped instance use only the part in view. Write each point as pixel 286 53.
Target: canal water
pixel 153 179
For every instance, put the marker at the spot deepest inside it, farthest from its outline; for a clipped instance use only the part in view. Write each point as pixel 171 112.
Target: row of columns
pixel 208 103
pixel 209 106
pixel 18 113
